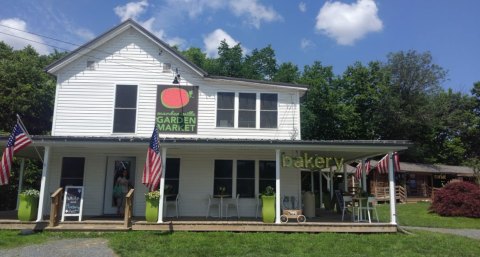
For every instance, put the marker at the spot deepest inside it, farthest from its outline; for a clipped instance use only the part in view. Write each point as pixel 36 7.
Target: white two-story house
pixel 215 132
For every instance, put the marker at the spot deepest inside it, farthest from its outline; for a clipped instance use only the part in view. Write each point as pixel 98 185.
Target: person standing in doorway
pixel 122 183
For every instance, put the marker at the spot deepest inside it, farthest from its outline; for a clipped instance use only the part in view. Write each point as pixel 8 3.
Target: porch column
pixel 162 185
pixel 277 186
pixel 364 176
pixel 321 189
pixel 20 180
pixel 345 179
pixel 46 160
pixel 331 183
pixel 393 212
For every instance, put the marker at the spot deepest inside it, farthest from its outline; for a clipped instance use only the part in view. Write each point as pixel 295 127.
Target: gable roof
pixel 96 42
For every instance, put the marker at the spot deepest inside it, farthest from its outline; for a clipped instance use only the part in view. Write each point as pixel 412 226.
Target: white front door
pixel 115 167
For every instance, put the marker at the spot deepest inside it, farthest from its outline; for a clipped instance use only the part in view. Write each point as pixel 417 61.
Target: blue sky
pixel 337 33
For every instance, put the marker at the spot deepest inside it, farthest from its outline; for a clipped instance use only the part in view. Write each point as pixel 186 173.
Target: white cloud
pixel 305 43
pixel 302 7
pixel 131 10
pixel 212 41
pixel 347 23
pixel 20 39
pixel 255 12
pixel 84 33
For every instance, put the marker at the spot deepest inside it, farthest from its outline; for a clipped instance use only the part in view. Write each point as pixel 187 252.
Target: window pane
pixel 223 168
pixel 246 119
pixel 267 169
pixel 224 118
pixel 72 171
pixel 126 96
pixel 225 100
pixel 246 187
pixel 268 102
pixel 124 120
pixel 227 183
pixel 268 119
pixel 247 101
pixel 173 168
pixel 245 169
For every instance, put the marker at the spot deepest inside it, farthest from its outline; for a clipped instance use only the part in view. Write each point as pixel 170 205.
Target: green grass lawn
pixel 149 243
pixel 417 214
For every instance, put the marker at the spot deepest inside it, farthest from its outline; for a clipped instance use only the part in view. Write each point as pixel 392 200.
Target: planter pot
pixel 151 210
pixel 28 207
pixel 268 209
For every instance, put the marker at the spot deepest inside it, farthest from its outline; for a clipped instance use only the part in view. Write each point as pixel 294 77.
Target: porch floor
pixel 325 222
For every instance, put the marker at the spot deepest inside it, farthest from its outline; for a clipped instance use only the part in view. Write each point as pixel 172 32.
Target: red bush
pixel 457 199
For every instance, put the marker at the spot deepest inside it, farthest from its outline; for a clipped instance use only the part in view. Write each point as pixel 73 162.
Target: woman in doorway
pixel 122 183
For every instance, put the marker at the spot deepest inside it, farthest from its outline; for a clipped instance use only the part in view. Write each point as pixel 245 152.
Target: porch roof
pixel 347 149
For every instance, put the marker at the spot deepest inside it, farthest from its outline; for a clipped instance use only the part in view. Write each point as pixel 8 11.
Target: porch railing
pixel 383 194
pixel 56 198
pixel 128 209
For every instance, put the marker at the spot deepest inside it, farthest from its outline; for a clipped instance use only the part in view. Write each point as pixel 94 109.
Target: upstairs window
pixel 225 109
pixel 268 110
pixel 125 109
pixel 247 107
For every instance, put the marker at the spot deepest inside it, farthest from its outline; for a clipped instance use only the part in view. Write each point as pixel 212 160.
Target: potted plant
pixel 28 206
pixel 268 205
pixel 151 206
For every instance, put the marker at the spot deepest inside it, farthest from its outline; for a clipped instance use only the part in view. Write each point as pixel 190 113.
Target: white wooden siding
pixel 195 184
pixel 84 103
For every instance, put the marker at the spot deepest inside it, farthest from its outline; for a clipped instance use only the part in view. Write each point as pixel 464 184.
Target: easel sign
pixel 73 202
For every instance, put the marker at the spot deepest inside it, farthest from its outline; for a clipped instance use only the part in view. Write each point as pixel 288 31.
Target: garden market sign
pixel 311 162
pixel 177 109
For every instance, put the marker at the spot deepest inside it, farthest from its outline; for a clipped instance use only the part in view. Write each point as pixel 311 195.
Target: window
pixel 268 110
pixel 72 171
pixel 172 177
pixel 167 67
pixel 225 109
pixel 223 176
pixel 125 109
pixel 246 178
pixel 247 107
pixel 267 175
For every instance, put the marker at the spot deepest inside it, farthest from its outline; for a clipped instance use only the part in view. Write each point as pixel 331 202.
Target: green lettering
pixel 308 161
pixel 286 161
pixel 339 163
pixel 319 162
pixel 298 162
pixel 327 160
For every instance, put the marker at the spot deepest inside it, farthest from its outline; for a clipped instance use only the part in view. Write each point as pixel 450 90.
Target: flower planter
pixel 268 208
pixel 28 207
pixel 151 210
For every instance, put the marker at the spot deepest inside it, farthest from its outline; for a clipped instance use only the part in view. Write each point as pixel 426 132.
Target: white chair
pixel 173 203
pixel 215 202
pixel 258 206
pixel 371 203
pixel 347 205
pixel 233 203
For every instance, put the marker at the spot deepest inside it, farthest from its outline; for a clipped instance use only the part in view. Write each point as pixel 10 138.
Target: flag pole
pixel 20 122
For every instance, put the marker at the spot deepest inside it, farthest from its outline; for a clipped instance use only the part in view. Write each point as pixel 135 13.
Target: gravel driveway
pixel 63 248
pixel 471 233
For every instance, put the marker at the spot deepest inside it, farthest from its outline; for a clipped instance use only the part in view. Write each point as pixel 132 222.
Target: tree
pixel 260 64
pixel 287 72
pixel 230 60
pixel 26 89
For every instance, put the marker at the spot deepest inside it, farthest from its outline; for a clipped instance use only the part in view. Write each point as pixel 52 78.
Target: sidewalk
pixel 471 233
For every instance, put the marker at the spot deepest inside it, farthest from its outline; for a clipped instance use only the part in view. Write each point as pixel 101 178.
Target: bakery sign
pixel 177 109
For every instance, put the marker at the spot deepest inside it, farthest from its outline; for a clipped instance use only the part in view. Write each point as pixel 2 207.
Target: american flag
pixel 153 166
pixel 16 142
pixel 358 171
pixel 367 167
pixel 382 165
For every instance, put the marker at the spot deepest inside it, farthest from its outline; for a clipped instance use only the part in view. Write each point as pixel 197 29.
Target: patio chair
pixel 215 202
pixel 371 203
pixel 258 206
pixel 173 203
pixel 347 205
pixel 233 203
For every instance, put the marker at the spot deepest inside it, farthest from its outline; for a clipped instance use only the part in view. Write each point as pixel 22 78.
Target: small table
pixel 221 202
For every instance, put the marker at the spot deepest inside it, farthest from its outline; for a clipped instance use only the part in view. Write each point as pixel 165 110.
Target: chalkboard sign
pixel 73 202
